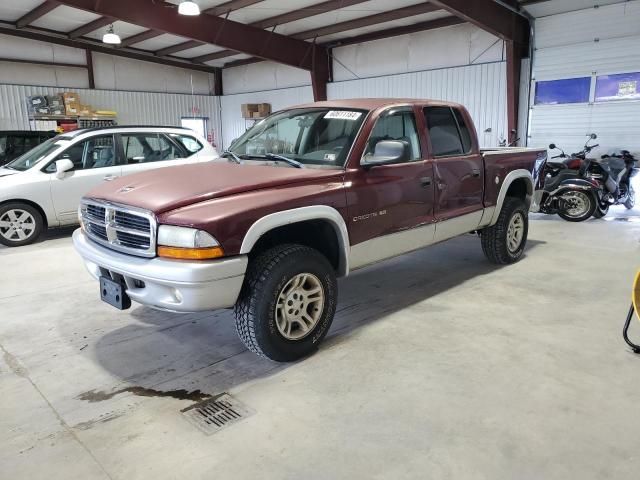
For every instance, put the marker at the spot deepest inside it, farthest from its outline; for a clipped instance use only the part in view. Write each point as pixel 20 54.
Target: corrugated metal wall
pixel 233 125
pixel 133 107
pixel 590 42
pixel 481 88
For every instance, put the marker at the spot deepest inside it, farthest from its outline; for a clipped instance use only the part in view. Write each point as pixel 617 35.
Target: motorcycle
pixel 612 174
pixel 566 191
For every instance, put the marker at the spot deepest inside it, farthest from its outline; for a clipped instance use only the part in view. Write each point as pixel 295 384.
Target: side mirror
pixel 387 152
pixel 593 136
pixel 62 166
pixel 552 146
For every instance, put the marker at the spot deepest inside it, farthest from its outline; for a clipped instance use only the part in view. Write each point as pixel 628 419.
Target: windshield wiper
pixel 233 157
pixel 290 161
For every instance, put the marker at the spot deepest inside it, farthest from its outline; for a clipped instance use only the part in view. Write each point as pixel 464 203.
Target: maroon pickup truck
pixel 303 197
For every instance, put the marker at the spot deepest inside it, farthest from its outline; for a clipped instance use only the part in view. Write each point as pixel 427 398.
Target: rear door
pixel 150 150
pixel 95 161
pixel 459 170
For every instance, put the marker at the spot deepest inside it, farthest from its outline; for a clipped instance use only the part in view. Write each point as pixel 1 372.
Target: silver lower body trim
pixel 173 285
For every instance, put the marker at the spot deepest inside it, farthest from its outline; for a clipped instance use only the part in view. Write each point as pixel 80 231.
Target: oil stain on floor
pixel 93 396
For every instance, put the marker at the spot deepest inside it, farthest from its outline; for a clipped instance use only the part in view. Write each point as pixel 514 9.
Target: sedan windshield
pixel 320 137
pixel 33 156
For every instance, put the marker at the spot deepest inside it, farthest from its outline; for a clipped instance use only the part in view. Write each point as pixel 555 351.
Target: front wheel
pixel 576 205
pixel 287 302
pixel 631 201
pixel 600 212
pixel 20 224
pixel 504 242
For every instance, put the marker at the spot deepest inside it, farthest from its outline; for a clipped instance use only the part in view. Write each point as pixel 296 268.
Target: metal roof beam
pixel 40 11
pixel 97 24
pixel 178 48
pixel 205 28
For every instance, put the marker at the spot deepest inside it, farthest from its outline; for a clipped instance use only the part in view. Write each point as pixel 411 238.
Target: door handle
pixel 475 173
pixel 425 181
pixel 108 178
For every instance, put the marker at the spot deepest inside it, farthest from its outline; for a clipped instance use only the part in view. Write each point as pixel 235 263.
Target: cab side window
pixel 448 132
pixel 397 125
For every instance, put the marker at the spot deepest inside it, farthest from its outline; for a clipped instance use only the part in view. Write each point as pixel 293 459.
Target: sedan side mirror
pixel 593 136
pixel 387 152
pixel 552 146
pixel 62 166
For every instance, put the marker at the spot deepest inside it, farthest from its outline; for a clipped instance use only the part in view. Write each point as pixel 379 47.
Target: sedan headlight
pixel 187 243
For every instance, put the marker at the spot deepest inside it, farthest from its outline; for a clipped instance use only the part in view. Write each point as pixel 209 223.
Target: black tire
pixel 255 311
pixel 631 201
pixel 31 228
pixel 495 244
pixel 588 212
pixel 600 212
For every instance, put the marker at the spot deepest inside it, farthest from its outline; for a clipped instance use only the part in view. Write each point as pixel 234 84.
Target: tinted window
pixel 148 147
pixel 31 141
pixel 189 143
pixel 443 132
pixel 465 135
pixel 396 125
pixel 96 152
pixel 16 146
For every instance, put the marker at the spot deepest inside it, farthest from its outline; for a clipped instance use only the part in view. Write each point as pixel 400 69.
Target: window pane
pixel 465 135
pixel 443 132
pixel 624 86
pixel 398 125
pixel 97 152
pixel 569 90
pixel 30 142
pixel 148 147
pixel 191 144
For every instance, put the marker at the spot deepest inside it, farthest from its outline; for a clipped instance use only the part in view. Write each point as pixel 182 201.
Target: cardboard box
pixel 55 101
pixel 256 115
pixel 70 98
pixel 264 109
pixel 85 110
pixel 40 110
pixel 248 109
pixel 72 108
pixel 56 110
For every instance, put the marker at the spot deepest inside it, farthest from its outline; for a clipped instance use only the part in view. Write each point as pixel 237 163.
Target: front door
pixel 387 204
pixel 95 161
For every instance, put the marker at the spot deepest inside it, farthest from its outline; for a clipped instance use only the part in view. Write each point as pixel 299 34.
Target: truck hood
pixel 166 189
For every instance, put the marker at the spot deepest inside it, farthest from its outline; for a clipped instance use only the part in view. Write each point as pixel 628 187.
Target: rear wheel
pixel 287 302
pixel 20 224
pixel 504 242
pixel 576 205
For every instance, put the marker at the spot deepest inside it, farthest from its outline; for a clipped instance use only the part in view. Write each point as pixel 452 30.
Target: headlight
pixel 187 243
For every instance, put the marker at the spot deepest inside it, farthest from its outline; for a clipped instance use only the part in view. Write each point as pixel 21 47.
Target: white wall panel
pixel 30 74
pixel 262 76
pixel 233 125
pixel 589 42
pixel 25 49
pixel 481 88
pixel 133 108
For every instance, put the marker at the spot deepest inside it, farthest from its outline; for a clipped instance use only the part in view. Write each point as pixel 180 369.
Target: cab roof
pixel 375 103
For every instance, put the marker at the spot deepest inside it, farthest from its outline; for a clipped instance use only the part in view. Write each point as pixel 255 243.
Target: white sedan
pixel 42 188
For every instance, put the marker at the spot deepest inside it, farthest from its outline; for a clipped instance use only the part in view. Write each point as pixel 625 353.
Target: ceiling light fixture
pixel 187 7
pixel 110 37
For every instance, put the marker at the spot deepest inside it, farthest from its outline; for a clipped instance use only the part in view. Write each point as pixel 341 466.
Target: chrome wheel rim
pixel 17 225
pixel 515 232
pixel 576 204
pixel 299 306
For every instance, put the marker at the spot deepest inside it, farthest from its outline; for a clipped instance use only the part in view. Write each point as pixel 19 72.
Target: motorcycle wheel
pixel 576 205
pixel 631 201
pixel 600 212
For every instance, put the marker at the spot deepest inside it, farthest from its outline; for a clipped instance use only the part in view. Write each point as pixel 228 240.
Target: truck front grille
pixel 122 228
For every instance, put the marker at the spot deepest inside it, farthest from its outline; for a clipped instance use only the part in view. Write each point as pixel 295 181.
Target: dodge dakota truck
pixel 306 195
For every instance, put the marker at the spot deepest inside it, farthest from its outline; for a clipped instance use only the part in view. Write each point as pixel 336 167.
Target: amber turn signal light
pixel 190 253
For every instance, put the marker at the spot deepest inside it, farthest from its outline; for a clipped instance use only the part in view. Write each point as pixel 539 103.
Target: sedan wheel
pixel 19 224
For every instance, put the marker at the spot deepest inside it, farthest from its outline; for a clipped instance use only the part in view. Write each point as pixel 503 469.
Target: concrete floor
pixel 438 365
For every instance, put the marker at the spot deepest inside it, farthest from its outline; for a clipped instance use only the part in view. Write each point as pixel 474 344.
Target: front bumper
pixel 175 285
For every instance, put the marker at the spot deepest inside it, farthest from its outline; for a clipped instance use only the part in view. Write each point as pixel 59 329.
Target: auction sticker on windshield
pixel 343 115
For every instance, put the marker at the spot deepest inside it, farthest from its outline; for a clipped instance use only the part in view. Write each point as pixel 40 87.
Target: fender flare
pixel 508 180
pixel 297 215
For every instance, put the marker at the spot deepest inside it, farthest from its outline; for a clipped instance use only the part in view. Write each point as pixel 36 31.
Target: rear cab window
pixel 190 144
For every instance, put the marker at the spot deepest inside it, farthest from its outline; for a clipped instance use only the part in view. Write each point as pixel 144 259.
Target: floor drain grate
pixel 217 413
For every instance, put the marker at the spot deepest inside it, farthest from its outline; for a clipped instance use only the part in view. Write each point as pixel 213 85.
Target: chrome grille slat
pixel 120 227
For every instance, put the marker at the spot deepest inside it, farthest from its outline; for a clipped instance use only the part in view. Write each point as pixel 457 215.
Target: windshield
pixel 320 137
pixel 34 155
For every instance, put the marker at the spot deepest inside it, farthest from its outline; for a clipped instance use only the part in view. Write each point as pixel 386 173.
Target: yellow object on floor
pixel 635 295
